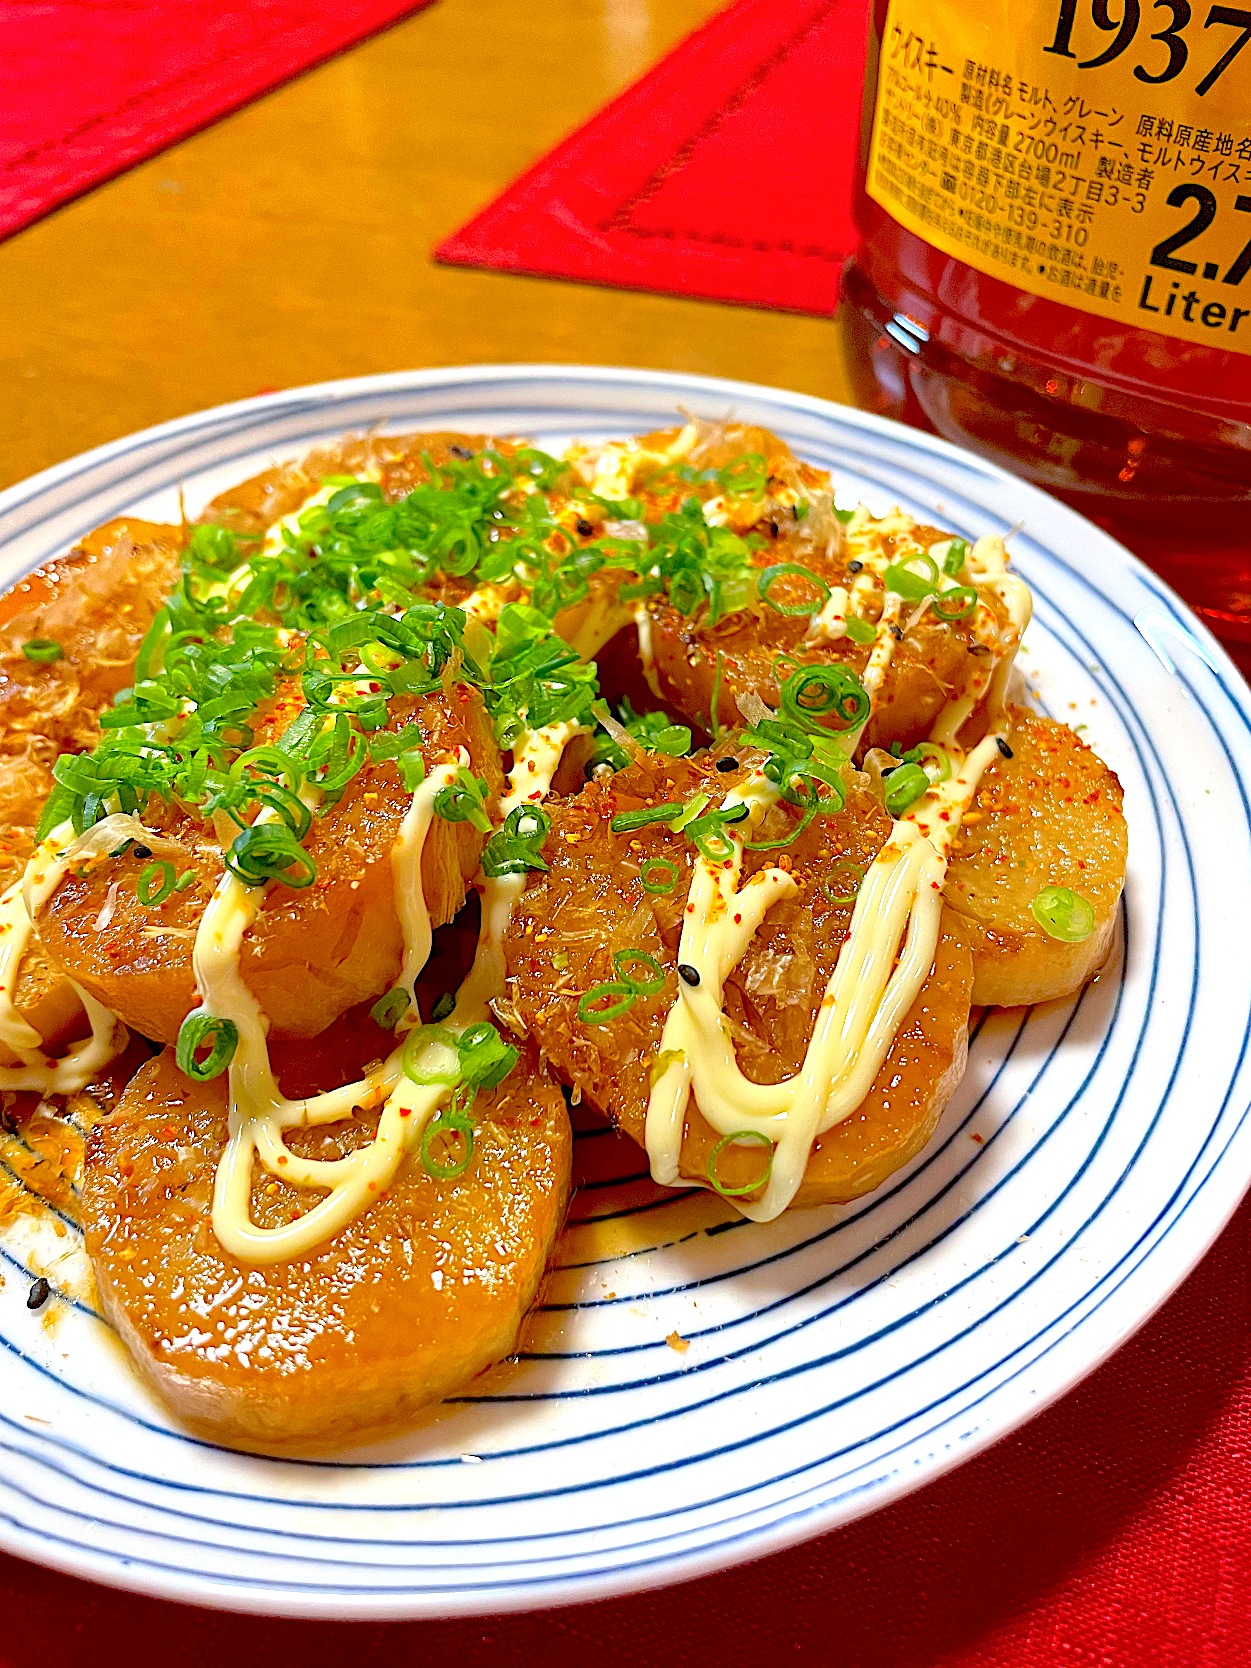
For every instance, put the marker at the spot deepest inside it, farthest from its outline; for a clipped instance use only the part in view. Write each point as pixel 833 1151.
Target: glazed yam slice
pixel 416 1296
pixel 398 461
pixel 96 603
pixel 692 663
pixel 312 953
pixel 592 903
pixel 1049 816
pixel 740 655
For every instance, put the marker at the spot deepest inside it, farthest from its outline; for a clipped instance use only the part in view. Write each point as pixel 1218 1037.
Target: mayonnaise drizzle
pixel 874 983
pixel 890 947
pixel 83 1060
pixel 259 1113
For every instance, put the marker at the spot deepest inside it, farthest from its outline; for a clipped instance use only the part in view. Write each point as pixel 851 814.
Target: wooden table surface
pixel 290 242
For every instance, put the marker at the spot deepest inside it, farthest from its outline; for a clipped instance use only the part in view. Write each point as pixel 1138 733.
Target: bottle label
pixel 1096 152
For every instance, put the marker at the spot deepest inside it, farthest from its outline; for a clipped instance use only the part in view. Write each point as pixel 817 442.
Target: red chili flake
pixel 738 920
pixel 980 1139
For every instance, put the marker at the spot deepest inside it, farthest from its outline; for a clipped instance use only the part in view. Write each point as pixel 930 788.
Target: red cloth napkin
pixel 1112 1532
pixel 90 88
pixel 726 171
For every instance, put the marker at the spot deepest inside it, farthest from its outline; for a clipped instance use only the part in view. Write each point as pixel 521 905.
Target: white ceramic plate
pixel 836 1358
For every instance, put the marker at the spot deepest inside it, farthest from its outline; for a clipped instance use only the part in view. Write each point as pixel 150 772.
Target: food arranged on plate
pixel 735 790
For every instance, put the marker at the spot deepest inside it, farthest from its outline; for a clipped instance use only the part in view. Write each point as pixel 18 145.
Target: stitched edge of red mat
pixel 25 200
pixel 531 219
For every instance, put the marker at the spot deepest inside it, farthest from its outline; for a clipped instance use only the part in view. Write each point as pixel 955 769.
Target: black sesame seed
pixel 855 567
pixel 773 528
pixel 897 633
pixel 978 648
pixel 1003 747
pixel 460 451
pixel 727 764
pixel 38 1294
pixel 143 853
pixel 585 527
pixel 688 974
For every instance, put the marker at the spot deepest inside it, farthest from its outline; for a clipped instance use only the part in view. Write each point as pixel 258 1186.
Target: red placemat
pixel 725 172
pixel 93 86
pixel 1112 1532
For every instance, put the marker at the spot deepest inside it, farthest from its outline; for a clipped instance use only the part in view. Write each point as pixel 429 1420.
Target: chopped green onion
pixel 688 812
pixel 658 874
pixel 953 561
pixel 417 1040
pixel 844 515
pixel 147 877
pixel 955 604
pixel 186 878
pixel 42 649
pixel 627 821
pixel 514 849
pixel 464 800
pixel 845 891
pixel 860 631
pixel 290 807
pixel 780 570
pixel 709 836
pixel 450 1121
pixel 590 1014
pixel 623 960
pixel 827 691
pixel 388 1010
pixel 1063 914
pixel 935 761
pixel 443 1007
pixel 485 1058
pixel 745 475
pixel 915 578
pixel 741 1137
pixel 904 786
pixel 266 852
pixel 197 1031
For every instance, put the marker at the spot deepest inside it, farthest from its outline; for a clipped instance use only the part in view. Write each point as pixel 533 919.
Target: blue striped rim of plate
pixel 836 1359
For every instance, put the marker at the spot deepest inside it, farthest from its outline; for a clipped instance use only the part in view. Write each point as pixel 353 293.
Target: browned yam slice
pixel 417 1295
pixel 899 1113
pixel 97 603
pixel 739 656
pixel 591 902
pixel 312 953
pixel 1049 816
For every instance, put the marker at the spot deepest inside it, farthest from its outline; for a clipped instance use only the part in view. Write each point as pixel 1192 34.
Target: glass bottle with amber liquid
pixel 1055 260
